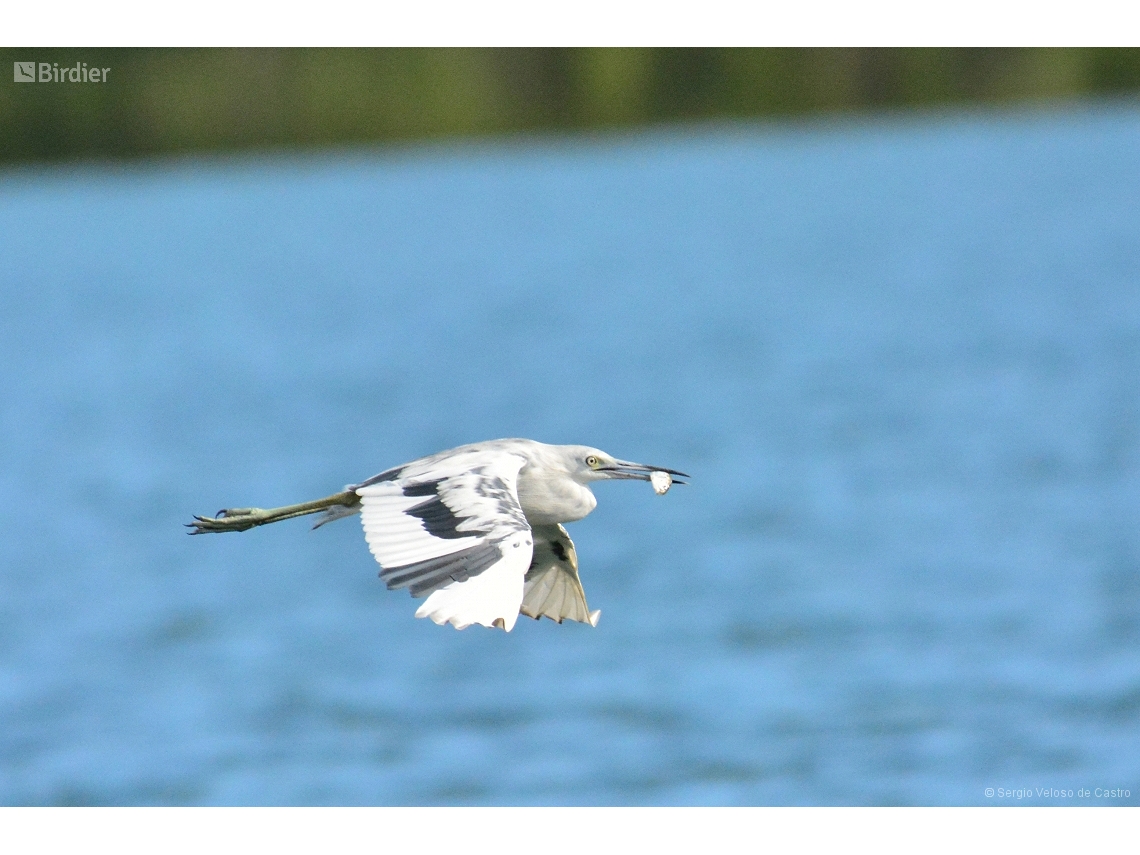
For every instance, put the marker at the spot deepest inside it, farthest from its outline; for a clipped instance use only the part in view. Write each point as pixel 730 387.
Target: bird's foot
pixel 228 519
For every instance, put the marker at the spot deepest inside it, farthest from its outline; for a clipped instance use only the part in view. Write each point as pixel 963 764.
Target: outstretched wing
pixel 452 530
pixel 552 588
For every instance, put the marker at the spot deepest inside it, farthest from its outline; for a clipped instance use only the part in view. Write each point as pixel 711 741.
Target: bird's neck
pixel 546 501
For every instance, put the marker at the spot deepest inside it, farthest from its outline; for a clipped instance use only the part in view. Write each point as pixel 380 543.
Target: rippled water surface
pixel 901 360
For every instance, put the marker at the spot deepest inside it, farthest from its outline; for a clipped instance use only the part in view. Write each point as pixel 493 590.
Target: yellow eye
pixel 591 461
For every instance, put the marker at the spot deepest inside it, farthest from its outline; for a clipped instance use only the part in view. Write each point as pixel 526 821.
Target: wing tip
pixel 441 618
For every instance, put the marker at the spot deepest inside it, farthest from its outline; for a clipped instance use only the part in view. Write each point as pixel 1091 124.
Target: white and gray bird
pixel 477 529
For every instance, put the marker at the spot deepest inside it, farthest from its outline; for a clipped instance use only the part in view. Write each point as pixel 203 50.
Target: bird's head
pixel 592 464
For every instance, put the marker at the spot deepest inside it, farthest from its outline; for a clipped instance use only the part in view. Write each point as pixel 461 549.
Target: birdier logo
pixel 50 72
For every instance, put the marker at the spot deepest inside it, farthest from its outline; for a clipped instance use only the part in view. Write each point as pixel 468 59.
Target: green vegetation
pixel 175 100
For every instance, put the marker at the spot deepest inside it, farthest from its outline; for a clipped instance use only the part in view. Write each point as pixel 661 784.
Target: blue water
pixel 899 357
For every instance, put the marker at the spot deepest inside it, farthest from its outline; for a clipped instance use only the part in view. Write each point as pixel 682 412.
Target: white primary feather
pixel 472 567
pixel 396 538
pixel 492 598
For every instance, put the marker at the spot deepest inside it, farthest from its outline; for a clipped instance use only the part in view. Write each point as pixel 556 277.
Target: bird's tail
pixel 239 519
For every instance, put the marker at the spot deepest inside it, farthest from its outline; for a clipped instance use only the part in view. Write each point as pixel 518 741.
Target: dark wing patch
pixel 417 489
pixel 438 519
pixel 495 489
pixel 421 577
pixel 386 475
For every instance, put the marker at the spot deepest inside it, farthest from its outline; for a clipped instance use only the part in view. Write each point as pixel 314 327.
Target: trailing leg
pixel 240 519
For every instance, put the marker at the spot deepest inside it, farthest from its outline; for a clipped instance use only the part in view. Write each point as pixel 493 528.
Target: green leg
pixel 240 519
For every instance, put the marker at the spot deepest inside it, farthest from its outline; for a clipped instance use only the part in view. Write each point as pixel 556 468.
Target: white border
pixel 173 831
pixel 442 23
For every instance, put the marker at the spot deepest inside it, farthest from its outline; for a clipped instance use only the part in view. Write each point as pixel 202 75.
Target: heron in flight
pixel 477 529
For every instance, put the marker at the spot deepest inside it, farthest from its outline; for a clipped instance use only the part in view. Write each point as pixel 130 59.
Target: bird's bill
pixel 638 471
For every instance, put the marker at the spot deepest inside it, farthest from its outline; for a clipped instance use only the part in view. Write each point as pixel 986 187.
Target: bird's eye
pixel 591 461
